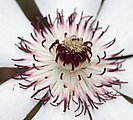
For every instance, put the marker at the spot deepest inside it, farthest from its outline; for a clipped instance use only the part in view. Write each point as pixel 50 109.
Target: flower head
pixel 69 64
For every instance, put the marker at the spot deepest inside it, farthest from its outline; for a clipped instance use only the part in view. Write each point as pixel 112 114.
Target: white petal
pixel 15 103
pixel 119 15
pixel 13 23
pixel 118 109
pixel 90 7
pixel 126 76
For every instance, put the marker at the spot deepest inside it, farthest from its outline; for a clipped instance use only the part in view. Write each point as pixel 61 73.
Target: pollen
pixel 73 43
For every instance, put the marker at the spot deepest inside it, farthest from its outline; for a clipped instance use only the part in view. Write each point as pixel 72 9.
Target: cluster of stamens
pixel 70 70
pixel 73 51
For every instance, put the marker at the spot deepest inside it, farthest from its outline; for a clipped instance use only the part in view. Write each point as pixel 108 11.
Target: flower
pixel 70 65
pixel 70 68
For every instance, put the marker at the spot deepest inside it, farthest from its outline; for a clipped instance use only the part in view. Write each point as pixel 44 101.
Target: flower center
pixel 72 54
pixel 74 44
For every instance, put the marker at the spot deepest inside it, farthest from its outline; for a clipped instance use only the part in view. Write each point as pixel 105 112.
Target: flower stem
pixel 120 57
pixel 30 9
pixel 32 12
pixel 34 111
pixel 7 73
pixel 129 99
pixel 99 10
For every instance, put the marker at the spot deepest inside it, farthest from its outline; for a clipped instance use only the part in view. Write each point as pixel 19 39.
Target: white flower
pixel 70 68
